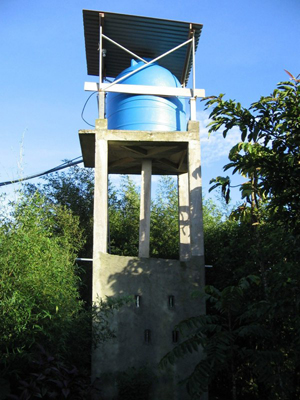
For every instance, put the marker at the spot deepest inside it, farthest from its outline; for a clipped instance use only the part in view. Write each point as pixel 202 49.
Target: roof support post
pixel 101 96
pixel 193 110
pixel 194 69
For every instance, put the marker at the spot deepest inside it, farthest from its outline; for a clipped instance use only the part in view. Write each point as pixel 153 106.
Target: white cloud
pixel 215 147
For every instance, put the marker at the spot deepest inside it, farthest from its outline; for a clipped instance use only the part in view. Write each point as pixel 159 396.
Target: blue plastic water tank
pixel 145 112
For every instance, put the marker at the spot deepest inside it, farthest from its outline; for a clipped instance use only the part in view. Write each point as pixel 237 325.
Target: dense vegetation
pixel 45 330
pixel 251 333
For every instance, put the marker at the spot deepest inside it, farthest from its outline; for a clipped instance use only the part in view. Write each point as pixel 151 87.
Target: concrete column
pixel 144 236
pixel 184 217
pixel 101 105
pixel 195 184
pixel 101 191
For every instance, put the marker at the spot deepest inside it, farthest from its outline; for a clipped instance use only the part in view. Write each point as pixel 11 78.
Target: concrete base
pixel 154 280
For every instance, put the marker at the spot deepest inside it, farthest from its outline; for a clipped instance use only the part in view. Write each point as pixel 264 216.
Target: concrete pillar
pixel 184 217
pixel 144 235
pixel 195 186
pixel 101 105
pixel 101 191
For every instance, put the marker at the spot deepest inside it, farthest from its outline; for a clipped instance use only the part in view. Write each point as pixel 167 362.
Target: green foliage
pixel 248 342
pixel 269 152
pixel 222 182
pixel 124 211
pixel 39 297
pixel 217 334
pixel 65 373
pixel 51 378
pixel 38 286
pixel 73 189
pixel 124 208
pixel 164 229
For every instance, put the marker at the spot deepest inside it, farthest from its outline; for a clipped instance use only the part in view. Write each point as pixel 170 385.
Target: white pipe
pixel 100 67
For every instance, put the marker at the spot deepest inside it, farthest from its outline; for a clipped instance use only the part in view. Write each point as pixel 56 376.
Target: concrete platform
pixel 127 149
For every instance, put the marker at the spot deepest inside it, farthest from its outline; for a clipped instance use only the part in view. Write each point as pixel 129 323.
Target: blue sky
pixel 243 51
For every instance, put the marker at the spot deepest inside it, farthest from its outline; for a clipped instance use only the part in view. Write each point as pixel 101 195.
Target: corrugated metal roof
pixel 146 37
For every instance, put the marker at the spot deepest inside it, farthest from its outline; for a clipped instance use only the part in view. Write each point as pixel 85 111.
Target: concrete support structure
pixel 116 151
pixel 195 193
pixel 101 190
pixel 155 281
pixel 184 217
pixel 145 204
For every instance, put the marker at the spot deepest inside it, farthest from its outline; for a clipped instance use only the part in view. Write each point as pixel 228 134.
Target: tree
pixel 164 229
pixel 269 152
pixel 73 189
pixel 46 330
pixel 250 336
pixel 124 211
pixel 38 283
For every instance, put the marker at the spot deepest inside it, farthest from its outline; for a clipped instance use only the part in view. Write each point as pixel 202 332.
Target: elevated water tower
pixel 142 129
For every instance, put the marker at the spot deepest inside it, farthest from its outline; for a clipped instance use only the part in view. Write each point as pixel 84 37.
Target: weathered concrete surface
pixel 184 217
pixel 154 280
pixel 171 146
pixel 145 204
pixel 195 191
pixel 101 195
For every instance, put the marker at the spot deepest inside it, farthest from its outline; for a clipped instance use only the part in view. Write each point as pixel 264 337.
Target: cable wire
pixel 107 80
pixel 84 109
pixel 59 167
pixel 66 164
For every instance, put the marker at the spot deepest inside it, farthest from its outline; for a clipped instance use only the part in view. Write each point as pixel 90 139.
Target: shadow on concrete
pixel 154 281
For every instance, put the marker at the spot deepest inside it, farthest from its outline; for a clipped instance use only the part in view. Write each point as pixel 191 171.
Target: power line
pixel 82 112
pixel 66 164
